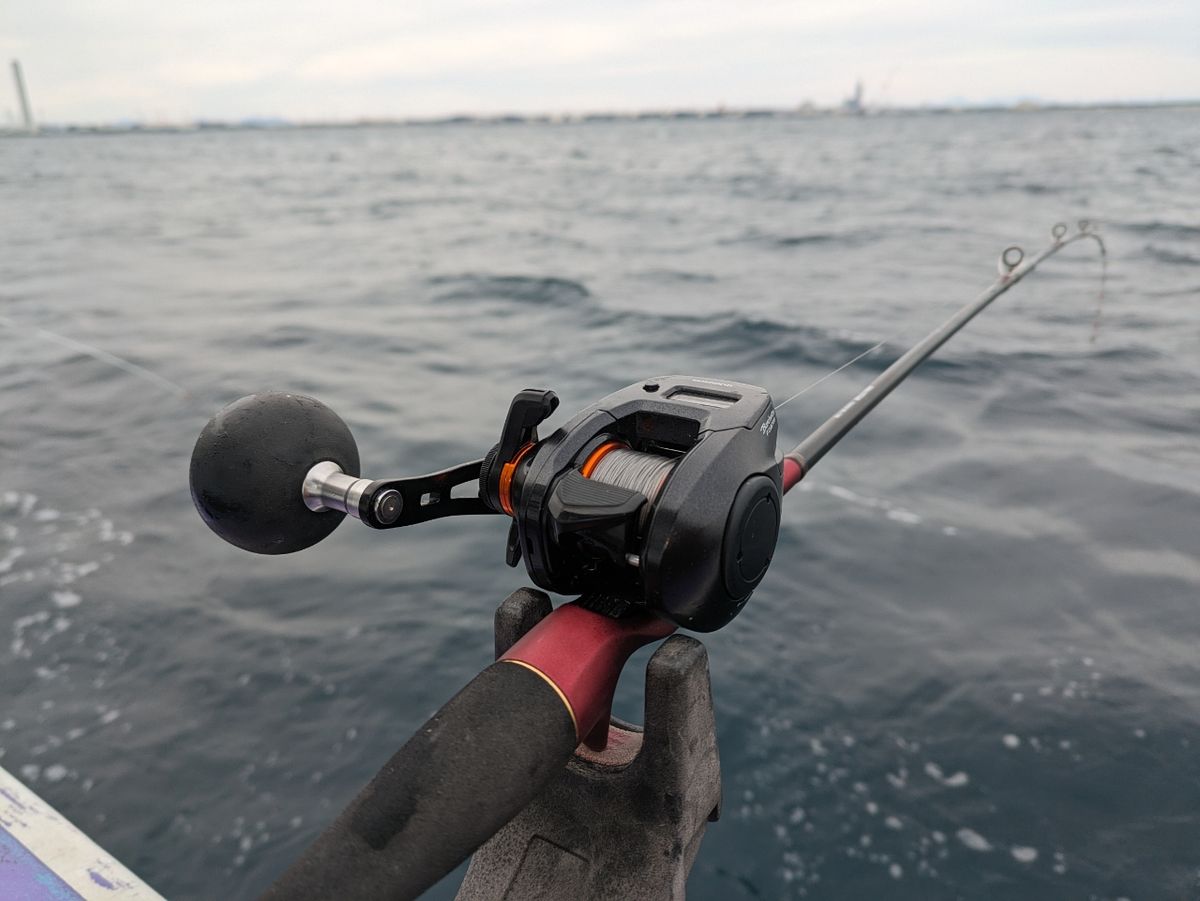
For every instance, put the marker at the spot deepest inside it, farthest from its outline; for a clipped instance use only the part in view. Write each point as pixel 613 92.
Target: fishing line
pixel 1085 226
pixel 102 356
pixel 635 470
pixel 829 375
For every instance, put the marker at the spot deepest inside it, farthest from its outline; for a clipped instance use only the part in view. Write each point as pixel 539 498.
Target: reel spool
pixel 664 495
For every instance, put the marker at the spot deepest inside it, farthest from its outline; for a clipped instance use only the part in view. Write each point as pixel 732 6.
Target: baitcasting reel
pixel 664 495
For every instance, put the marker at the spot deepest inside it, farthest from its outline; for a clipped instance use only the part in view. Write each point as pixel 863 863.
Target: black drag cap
pixel 485 476
pixel 751 532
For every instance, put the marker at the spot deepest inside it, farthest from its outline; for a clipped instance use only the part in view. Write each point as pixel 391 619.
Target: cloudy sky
pixel 105 60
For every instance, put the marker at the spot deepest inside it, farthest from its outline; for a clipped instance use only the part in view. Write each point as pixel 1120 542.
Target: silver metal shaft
pixel 326 487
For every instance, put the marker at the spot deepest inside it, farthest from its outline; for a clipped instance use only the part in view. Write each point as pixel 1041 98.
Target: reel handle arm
pixel 392 503
pixel 275 473
pixel 475 764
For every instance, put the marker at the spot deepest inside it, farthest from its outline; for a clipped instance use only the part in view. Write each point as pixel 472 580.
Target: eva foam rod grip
pixel 468 771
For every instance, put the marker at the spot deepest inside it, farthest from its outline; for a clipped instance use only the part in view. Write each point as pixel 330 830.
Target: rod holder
pixel 622 823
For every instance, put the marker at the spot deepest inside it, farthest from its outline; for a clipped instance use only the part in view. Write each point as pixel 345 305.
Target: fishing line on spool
pixel 615 463
pixel 638 471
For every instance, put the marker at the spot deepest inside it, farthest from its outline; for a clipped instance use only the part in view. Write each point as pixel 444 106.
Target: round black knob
pixel 248 470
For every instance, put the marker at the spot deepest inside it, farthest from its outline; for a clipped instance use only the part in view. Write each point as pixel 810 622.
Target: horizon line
pixel 845 109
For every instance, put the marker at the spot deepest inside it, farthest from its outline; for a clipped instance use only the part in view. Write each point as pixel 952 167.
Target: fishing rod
pixel 658 507
pixel 800 460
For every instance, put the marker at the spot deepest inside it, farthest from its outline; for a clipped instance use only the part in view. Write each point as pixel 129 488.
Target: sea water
pixel 972 670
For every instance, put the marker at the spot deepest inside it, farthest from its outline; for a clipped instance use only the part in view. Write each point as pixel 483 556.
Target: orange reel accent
pixel 590 464
pixel 506 478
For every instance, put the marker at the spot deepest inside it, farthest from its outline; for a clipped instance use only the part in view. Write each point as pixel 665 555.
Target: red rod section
pixel 581 654
pixel 793 472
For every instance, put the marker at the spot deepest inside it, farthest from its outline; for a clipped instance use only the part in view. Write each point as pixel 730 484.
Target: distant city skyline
pixel 95 61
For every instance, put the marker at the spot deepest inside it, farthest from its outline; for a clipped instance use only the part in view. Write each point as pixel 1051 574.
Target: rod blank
pixel 804 456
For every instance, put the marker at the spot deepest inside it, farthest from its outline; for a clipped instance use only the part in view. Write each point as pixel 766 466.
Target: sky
pixel 93 61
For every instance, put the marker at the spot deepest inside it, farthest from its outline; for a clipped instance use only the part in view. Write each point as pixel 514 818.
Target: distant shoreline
pixel 675 115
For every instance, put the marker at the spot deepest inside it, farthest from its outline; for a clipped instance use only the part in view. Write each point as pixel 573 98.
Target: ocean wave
pixel 1191 291
pixel 1158 229
pixel 290 335
pixel 1173 257
pixel 737 338
pixel 855 238
pixel 522 289
pixel 1033 188
pixel 675 275
pixel 395 207
pixel 767 340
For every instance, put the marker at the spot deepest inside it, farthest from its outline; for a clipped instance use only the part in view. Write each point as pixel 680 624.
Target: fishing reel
pixel 664 495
